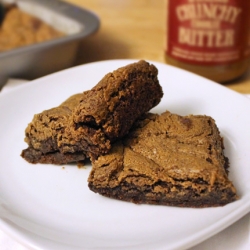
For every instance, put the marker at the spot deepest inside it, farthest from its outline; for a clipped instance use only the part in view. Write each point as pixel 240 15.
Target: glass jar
pixel 209 37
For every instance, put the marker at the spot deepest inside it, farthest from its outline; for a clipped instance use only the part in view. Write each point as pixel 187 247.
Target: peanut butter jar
pixel 209 37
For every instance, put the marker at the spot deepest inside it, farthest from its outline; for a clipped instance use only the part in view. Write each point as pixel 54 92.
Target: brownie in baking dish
pixel 166 159
pixel 85 125
pixel 19 28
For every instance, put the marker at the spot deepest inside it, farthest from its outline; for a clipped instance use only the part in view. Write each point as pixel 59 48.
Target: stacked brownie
pixel 136 156
pixel 86 124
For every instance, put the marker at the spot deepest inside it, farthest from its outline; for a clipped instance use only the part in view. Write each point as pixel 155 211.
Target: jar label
pixel 208 31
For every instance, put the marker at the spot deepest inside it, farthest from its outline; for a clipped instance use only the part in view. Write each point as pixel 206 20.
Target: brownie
pixel 120 98
pixel 166 159
pixel 85 125
pixel 19 28
pixel 45 132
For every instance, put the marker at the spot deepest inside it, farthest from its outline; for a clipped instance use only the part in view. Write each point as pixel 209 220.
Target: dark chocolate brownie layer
pixel 168 160
pixel 85 125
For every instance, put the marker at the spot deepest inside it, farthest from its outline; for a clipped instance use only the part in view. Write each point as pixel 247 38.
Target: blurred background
pixel 134 29
pixel 130 29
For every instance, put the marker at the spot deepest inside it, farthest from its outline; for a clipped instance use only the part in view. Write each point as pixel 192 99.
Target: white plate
pixel 51 207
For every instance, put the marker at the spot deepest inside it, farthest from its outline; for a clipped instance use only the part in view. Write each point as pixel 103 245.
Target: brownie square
pixel 166 159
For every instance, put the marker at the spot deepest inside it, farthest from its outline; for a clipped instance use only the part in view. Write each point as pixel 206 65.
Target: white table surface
pixel 235 237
